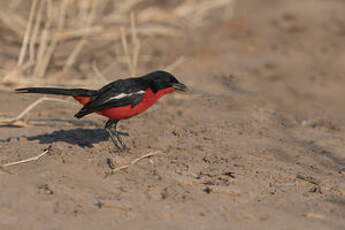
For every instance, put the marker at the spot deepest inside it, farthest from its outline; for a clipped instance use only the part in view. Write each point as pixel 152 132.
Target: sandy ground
pixel 258 144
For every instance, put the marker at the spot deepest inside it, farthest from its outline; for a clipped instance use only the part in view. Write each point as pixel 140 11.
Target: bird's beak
pixel 180 87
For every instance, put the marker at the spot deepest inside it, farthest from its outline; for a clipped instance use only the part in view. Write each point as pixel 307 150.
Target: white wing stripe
pixel 122 95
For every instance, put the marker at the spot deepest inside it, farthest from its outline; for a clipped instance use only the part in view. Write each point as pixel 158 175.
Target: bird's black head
pixel 162 80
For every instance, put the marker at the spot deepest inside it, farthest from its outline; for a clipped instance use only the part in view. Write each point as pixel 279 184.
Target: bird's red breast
pixel 125 112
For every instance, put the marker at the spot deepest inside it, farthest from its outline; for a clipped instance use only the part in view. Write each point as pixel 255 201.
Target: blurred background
pixel 87 42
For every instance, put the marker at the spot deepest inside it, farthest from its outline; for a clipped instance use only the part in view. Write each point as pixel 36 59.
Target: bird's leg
pixel 108 127
pixel 118 135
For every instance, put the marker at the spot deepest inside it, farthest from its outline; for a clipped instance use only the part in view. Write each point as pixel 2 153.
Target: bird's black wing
pixel 116 94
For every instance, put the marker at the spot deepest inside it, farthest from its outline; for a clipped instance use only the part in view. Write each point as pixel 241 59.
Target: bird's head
pixel 162 80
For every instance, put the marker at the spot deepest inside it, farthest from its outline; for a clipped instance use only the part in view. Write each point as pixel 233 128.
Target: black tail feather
pixel 58 91
pixel 81 114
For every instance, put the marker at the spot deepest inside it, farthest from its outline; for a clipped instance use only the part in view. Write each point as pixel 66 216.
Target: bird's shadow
pixel 81 137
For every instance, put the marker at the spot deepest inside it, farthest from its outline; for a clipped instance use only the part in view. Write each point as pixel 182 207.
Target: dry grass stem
pixel 131 58
pixel 175 64
pixel 35 158
pixel 44 40
pixel 71 34
pixel 16 121
pixel 205 7
pixel 125 48
pixel 77 49
pixel 27 33
pixel 18 70
pixel 98 72
pixel 35 32
pixel 133 162
pixel 50 50
pixel 72 58
pixel 135 44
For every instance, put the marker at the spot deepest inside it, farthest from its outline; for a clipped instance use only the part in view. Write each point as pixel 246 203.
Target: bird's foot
pixel 118 135
pixel 115 135
pixel 117 140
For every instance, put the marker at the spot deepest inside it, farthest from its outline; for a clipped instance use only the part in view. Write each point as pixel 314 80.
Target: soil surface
pixel 259 143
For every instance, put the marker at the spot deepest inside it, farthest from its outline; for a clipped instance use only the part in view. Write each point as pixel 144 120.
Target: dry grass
pixel 51 27
pixel 48 38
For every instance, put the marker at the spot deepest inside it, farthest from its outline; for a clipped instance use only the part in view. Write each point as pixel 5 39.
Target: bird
pixel 118 100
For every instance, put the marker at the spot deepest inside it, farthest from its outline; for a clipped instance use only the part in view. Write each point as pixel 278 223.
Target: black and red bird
pixel 120 99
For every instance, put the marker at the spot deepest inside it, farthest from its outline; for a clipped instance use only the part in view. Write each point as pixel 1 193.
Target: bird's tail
pixel 81 113
pixel 58 91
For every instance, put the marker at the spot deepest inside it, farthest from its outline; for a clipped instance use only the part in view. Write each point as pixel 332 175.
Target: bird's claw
pixel 122 133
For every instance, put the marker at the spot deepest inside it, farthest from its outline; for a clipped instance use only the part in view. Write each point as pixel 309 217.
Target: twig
pixel 150 154
pixel 16 120
pixel 40 100
pixel 35 158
